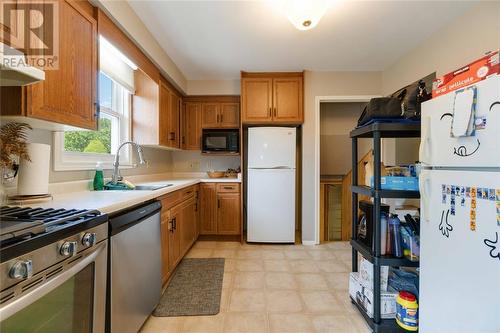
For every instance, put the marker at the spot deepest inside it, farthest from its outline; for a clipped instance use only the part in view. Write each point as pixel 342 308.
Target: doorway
pixel 336 121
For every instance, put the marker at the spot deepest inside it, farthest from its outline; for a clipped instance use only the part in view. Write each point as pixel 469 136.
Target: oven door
pixel 72 301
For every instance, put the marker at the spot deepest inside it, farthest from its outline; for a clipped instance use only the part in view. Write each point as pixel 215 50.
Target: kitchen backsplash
pixel 194 161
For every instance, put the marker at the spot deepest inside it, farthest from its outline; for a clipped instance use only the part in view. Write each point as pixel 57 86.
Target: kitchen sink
pixel 151 187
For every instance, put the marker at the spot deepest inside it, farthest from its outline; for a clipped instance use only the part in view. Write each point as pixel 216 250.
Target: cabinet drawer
pixel 169 200
pixel 228 187
pixel 187 192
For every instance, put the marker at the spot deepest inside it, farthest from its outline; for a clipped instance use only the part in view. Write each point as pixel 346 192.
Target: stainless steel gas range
pixel 52 270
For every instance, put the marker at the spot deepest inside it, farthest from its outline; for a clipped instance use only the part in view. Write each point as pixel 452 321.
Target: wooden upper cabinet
pixel 229 115
pixel 256 99
pixel 287 99
pixel 228 213
pixel 272 98
pixel 173 120
pixel 191 129
pixel 208 197
pixel 68 94
pixel 210 115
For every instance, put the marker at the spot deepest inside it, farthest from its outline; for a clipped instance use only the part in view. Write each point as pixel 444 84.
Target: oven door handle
pixel 45 288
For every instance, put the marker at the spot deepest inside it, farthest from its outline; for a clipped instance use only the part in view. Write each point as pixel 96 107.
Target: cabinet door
pixel 210 115
pixel 287 100
pixel 228 213
pixel 256 99
pixel 188 228
pixel 164 115
pixel 173 123
pixel 208 206
pixel 174 246
pixel 165 231
pixel 68 94
pixel 229 115
pixel 192 127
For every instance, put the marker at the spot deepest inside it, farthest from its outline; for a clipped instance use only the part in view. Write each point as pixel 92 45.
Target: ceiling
pixel 214 40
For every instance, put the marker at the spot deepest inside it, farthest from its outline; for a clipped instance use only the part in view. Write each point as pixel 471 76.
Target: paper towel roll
pixel 33 177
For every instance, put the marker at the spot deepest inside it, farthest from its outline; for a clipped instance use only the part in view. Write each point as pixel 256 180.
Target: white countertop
pixel 113 201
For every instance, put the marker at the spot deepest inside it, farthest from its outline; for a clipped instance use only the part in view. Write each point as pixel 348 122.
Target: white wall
pixel 159 161
pixel 325 84
pixel 337 120
pixel 465 39
pixel 213 87
pixel 194 161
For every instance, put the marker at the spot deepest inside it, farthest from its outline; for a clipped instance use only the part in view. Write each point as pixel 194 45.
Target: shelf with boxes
pixel 375 302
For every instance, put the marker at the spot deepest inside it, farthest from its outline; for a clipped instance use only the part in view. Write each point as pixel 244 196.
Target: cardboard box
pixel 364 298
pixel 467 75
pixel 366 275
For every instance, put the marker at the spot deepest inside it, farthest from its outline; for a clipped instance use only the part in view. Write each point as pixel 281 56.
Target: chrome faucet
pixel 116 172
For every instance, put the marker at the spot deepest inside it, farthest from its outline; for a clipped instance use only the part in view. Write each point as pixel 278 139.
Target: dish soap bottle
pixel 98 177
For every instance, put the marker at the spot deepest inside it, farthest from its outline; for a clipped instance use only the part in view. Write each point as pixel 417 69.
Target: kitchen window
pixel 76 149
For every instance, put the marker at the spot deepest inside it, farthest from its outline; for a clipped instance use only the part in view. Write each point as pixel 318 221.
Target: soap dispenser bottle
pixel 98 177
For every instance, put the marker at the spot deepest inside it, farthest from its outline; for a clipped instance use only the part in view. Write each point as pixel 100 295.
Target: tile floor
pixel 275 288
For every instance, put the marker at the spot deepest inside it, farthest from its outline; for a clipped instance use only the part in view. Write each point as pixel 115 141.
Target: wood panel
pixel 208 208
pixel 210 115
pixel 228 213
pixel 164 115
pixel 187 227
pixel 256 99
pixel 191 136
pixel 229 115
pixel 287 100
pixel 109 30
pixel 68 94
pixel 146 119
pixel 228 187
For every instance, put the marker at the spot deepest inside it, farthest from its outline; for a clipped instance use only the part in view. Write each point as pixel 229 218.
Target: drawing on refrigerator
pixel 271 184
pixel 494 245
pixel 460 210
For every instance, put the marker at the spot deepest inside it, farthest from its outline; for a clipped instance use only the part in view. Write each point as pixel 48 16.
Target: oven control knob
pixel 21 270
pixel 88 239
pixel 68 249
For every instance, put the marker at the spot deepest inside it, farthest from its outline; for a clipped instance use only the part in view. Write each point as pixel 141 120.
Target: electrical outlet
pixel 195 165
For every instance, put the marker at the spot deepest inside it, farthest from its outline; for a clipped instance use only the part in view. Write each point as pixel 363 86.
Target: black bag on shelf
pixel 403 104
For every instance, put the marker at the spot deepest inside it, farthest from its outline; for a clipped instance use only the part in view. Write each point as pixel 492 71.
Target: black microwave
pixel 220 141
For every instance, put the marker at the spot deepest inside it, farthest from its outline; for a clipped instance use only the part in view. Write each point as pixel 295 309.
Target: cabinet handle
pixel 97 110
pixel 270 112
pixel 183 140
pixel 172 136
pixel 189 192
pixel 217 118
pixel 221 117
pixel 228 187
pixel 171 225
pixel 175 223
pixel 275 112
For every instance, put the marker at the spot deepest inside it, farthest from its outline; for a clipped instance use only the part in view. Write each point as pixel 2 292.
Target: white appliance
pixel 271 184
pixel 14 71
pixel 460 212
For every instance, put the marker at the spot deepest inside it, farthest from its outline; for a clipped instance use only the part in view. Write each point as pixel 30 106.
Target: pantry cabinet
pixel 220 209
pixel 272 98
pixel 68 93
pixel 179 226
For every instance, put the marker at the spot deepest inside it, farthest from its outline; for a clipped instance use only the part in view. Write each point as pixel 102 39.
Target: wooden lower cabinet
pixel 228 213
pixel 179 227
pixel 220 209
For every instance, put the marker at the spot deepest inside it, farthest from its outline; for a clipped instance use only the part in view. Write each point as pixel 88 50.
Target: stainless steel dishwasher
pixel 134 280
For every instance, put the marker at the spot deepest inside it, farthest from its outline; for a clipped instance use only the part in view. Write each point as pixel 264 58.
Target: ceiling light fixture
pixel 305 14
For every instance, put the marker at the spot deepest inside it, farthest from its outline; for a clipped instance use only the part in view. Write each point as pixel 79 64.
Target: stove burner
pixel 17 223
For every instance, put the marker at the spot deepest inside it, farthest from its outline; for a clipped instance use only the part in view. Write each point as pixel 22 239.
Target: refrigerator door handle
pixel 425 143
pixel 424 186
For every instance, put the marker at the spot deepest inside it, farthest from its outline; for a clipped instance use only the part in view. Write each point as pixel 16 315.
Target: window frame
pixel 74 161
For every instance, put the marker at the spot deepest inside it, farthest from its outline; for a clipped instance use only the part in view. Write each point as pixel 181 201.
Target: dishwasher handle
pixel 126 219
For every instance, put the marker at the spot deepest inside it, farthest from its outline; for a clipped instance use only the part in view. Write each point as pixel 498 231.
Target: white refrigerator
pixel 460 211
pixel 271 184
